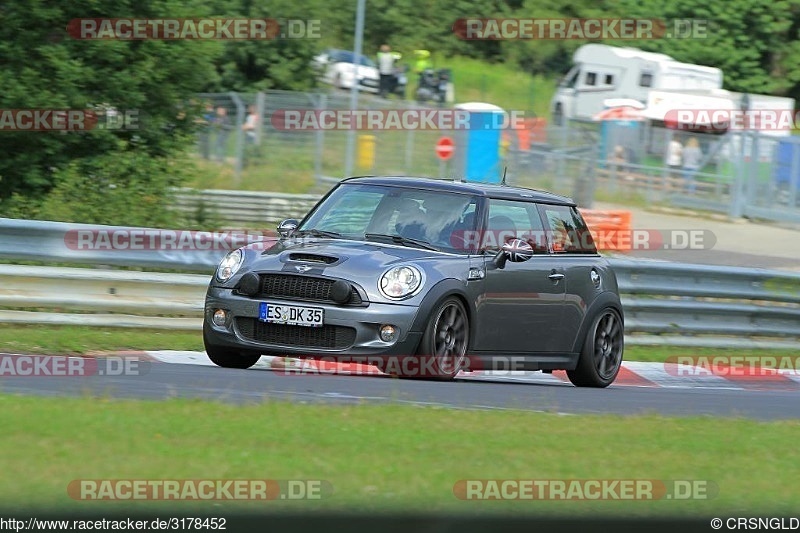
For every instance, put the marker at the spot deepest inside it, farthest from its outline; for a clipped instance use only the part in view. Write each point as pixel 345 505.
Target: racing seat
pixel 410 221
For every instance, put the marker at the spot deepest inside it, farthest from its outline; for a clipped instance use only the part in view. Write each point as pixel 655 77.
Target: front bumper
pixel 365 321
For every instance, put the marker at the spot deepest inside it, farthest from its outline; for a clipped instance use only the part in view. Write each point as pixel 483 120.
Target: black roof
pixel 491 190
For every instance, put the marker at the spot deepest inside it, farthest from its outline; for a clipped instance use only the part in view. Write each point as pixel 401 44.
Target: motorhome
pixel 603 72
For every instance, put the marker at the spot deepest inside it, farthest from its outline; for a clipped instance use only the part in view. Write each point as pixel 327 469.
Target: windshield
pixel 444 220
pixel 349 57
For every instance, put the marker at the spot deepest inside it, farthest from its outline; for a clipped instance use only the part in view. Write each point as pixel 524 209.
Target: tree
pixel 45 68
pixel 752 41
pixel 278 63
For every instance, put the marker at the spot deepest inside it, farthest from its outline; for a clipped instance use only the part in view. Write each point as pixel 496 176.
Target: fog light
pixel 220 317
pixel 388 333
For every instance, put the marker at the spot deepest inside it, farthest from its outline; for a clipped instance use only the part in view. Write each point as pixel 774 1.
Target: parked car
pixel 340 69
pixel 416 267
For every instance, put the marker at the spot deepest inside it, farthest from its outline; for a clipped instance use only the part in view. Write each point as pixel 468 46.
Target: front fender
pixel 436 295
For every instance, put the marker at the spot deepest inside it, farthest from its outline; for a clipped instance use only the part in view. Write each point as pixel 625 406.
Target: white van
pixel 603 72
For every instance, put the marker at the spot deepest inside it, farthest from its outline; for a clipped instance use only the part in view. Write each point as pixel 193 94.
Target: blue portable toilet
pixel 478 147
pixel 786 170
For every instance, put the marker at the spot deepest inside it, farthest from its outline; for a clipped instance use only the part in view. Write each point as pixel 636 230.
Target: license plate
pixel 291 315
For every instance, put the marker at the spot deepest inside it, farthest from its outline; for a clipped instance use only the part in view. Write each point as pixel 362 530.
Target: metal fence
pixel 274 152
pixel 742 173
pixel 665 303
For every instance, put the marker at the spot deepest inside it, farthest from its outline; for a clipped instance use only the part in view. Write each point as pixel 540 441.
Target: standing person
pixel 674 157
pixel 423 62
pixel 250 127
pixel 222 127
pixel 692 155
pixel 386 70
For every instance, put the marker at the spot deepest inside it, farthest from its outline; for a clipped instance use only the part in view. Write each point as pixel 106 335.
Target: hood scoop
pixel 312 258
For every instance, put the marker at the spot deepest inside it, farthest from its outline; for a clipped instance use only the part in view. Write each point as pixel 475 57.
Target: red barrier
pixel 611 230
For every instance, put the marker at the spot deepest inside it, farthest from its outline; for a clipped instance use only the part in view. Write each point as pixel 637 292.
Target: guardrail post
pixel 319 137
pixel 737 191
pixel 240 117
pixel 260 97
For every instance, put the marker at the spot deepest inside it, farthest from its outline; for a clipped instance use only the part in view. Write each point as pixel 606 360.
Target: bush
pixel 128 188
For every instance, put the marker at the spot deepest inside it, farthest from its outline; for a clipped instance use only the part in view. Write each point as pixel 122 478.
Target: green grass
pixel 286 159
pixel 502 85
pixel 79 340
pixel 389 457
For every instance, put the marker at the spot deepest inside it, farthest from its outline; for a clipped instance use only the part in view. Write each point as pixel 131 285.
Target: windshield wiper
pixel 399 239
pixel 314 232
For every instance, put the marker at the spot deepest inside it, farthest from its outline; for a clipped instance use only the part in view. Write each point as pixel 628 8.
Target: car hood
pixel 356 261
pixel 340 252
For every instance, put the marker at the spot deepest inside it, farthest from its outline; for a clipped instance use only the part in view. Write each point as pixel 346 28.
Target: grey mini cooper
pixel 457 275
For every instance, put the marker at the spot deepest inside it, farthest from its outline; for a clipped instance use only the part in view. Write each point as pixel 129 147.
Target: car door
pixel 522 303
pixel 573 251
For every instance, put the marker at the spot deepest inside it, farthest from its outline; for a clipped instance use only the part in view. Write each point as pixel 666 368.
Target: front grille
pixel 332 337
pixel 308 288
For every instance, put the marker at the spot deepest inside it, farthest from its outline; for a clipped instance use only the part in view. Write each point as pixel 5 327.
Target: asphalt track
pixel 159 381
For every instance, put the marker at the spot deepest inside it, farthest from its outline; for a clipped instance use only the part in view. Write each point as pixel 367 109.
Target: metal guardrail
pixel 93 297
pixel 709 305
pixel 665 303
pixel 247 208
pixel 60 242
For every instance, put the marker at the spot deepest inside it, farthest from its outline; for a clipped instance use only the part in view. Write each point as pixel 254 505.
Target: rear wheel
pixel 229 358
pixel 601 356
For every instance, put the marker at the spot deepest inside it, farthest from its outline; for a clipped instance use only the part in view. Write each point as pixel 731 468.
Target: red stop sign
pixel 445 148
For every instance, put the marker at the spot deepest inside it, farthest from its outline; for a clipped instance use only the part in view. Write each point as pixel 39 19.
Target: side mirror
pixel 287 227
pixel 514 250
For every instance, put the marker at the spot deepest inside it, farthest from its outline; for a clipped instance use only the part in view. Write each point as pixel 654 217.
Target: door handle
pixel 555 276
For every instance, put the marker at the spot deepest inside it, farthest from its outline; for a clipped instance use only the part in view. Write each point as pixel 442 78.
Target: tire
pixel 229 358
pixel 443 347
pixel 601 357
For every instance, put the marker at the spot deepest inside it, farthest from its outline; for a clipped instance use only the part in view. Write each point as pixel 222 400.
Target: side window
pixel 566 230
pixel 509 219
pixel 591 79
pixel 646 79
pixel 609 79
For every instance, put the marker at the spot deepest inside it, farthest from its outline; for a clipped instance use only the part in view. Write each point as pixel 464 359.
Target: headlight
pixel 400 282
pixel 229 265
